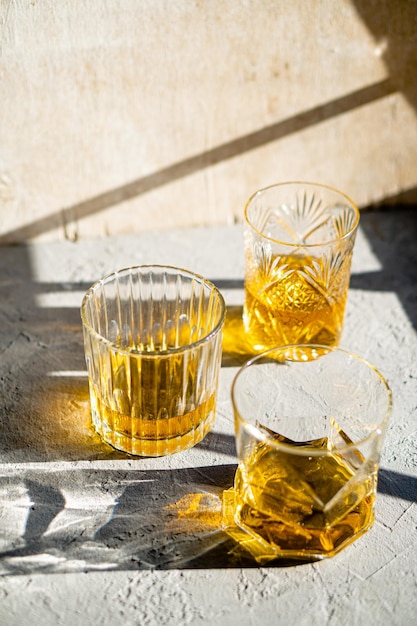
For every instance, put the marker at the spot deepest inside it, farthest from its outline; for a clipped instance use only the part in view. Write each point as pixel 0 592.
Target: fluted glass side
pixel 152 339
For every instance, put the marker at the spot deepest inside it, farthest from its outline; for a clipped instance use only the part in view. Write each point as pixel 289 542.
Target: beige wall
pixel 129 115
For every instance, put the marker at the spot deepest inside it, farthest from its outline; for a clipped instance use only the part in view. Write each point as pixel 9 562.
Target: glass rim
pixel 377 431
pixel 143 353
pixel 290 244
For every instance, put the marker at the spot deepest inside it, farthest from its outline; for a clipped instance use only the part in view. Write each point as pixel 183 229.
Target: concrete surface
pixel 122 116
pixel 91 536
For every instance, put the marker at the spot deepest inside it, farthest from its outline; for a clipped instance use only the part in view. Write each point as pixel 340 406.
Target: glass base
pixel 267 540
pixel 152 447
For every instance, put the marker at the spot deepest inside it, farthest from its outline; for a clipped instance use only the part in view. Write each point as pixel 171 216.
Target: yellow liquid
pixel 237 348
pixel 300 506
pixel 151 406
pixel 300 300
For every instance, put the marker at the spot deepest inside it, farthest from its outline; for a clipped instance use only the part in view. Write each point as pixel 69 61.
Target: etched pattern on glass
pixel 296 285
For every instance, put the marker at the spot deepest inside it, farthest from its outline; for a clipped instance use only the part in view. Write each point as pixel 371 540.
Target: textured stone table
pixel 91 536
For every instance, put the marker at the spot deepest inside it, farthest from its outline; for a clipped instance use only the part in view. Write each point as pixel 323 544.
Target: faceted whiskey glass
pixel 310 423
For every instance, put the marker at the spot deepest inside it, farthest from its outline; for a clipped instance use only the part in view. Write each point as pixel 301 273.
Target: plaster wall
pixel 124 115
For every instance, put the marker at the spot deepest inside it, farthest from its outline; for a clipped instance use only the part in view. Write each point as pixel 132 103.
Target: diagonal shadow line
pixel 201 161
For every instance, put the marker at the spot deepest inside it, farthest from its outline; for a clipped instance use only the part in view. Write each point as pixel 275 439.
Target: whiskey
pixel 295 299
pixel 151 405
pixel 303 506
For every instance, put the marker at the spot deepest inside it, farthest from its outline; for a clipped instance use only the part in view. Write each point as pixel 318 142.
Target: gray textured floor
pixel 89 535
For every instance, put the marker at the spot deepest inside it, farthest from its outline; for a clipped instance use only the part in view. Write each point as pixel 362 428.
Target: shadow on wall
pixel 397 40
pixel 179 170
pixel 398 47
